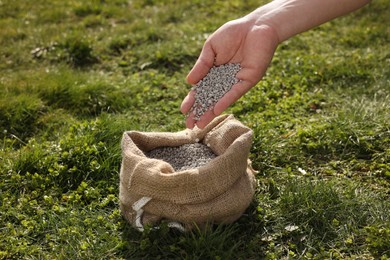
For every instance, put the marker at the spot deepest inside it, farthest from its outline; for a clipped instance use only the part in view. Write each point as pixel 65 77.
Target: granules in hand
pixel 210 89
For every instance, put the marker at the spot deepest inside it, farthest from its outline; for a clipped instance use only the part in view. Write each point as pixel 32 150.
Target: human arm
pixel 252 40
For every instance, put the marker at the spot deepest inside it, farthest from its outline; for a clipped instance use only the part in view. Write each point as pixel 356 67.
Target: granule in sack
pixel 183 157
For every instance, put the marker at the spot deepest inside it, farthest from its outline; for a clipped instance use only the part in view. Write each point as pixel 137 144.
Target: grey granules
pixel 209 90
pixel 184 157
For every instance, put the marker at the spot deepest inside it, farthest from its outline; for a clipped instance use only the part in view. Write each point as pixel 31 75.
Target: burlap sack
pixel 218 192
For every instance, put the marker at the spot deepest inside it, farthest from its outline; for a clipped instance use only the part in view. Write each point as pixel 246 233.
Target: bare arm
pixel 291 17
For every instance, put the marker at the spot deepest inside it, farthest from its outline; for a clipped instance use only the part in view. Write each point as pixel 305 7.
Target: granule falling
pixel 209 90
pixel 184 157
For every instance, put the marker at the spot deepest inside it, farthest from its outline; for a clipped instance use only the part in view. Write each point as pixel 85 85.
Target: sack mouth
pixel 193 185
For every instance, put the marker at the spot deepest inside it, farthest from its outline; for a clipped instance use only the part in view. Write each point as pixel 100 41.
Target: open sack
pixel 218 192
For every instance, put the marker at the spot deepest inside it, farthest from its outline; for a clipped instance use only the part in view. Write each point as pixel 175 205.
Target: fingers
pixel 204 120
pixel 187 102
pixel 202 66
pixel 254 66
pixel 237 91
pixel 190 121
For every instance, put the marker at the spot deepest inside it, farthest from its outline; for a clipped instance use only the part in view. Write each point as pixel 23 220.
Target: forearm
pixel 290 17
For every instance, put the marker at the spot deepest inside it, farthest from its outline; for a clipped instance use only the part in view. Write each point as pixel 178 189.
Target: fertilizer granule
pixel 184 157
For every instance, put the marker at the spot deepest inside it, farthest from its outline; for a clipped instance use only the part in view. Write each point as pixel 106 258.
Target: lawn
pixel 74 75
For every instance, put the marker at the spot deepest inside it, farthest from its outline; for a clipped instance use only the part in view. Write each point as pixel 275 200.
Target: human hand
pixel 239 41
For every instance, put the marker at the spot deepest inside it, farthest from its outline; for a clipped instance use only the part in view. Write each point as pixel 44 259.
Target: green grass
pixel 76 74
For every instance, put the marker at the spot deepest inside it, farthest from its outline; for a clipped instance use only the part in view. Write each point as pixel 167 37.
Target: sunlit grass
pixel 76 75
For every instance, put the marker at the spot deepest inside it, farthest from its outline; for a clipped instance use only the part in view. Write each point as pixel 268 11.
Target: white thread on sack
pixel 138 223
pixel 139 204
pixel 177 225
pixel 137 207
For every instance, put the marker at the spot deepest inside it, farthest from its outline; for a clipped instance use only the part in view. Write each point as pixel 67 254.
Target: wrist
pixel 266 16
pixel 255 21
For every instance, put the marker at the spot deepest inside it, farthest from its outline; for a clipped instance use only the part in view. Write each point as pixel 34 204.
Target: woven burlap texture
pixel 218 192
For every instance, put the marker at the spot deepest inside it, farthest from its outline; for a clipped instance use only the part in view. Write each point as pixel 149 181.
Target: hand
pixel 238 41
